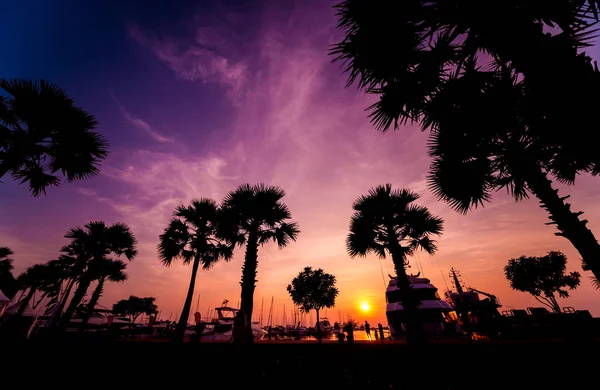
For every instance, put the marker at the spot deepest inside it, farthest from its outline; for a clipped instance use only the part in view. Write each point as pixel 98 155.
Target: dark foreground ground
pixel 153 365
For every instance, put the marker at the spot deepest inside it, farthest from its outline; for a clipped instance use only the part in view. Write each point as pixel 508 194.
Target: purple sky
pixel 199 99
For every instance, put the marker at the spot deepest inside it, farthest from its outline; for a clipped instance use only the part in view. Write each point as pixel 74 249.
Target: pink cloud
pixel 140 123
pixel 196 61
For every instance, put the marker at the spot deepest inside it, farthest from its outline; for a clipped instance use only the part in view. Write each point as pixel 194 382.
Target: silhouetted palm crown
pixel 42 133
pixel 6 262
pixel 191 233
pixel 109 269
pixel 257 209
pixel 96 241
pixel 386 220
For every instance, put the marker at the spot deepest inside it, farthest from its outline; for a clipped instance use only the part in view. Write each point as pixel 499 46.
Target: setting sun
pixel 364 306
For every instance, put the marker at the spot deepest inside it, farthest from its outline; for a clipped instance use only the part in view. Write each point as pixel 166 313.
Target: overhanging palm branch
pixel 43 133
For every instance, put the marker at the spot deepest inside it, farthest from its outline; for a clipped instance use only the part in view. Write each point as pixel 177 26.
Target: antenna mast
pixel 457 282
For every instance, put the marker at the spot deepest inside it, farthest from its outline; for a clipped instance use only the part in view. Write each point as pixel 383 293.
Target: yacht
pixel 432 309
pixel 221 329
pixel 325 326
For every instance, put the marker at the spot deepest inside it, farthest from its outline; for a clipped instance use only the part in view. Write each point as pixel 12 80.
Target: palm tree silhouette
pixel 6 262
pixel 95 243
pixel 386 221
pixel 498 123
pixel 32 279
pixel 191 237
pixel 254 215
pixel 70 269
pixel 105 270
pixel 43 133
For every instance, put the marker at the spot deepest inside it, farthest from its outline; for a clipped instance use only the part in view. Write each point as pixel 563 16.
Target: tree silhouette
pixel 543 277
pixel 134 306
pixel 93 244
pixel 106 270
pixel 254 215
pixel 43 133
pixel 191 237
pixel 8 283
pixel 32 280
pixel 6 262
pixel 497 102
pixel 386 221
pixel 313 290
pixel 70 269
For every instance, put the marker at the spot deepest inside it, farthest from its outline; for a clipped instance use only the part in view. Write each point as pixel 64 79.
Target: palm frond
pixel 44 133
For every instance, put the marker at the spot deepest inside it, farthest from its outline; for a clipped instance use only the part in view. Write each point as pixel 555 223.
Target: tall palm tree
pixel 32 279
pixel 538 84
pixel 255 215
pixel 191 237
pixel 387 222
pixel 43 133
pixel 95 243
pixel 70 269
pixel 106 270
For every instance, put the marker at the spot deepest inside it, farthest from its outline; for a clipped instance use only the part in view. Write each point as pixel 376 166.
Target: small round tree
pixel 313 290
pixel 543 277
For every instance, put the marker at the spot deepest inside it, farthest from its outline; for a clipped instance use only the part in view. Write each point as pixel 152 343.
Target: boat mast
pixel 270 319
pixel 457 285
pixel 284 319
pixel 262 304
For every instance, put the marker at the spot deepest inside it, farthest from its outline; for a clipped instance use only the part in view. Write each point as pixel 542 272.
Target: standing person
pixel 368 331
pixel 381 336
pixel 376 335
pixel 199 327
pixel 239 327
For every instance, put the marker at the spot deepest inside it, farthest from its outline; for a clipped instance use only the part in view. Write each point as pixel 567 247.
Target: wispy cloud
pixel 140 123
pixel 196 61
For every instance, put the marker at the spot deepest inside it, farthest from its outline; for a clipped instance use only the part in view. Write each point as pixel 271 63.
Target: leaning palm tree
pixel 70 269
pixel 107 270
pixel 506 112
pixel 31 280
pixel 387 222
pixel 191 237
pixel 95 243
pixel 6 262
pixel 43 133
pixel 254 215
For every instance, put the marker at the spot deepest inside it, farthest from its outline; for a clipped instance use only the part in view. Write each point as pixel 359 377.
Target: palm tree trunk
pixel 319 336
pixel 409 303
pixel 92 304
pixel 187 306
pixel 25 302
pixel 249 283
pixel 568 223
pixel 61 304
pixel 80 291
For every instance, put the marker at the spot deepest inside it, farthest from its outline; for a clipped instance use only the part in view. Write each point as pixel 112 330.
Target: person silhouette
pixel 368 330
pixel 381 336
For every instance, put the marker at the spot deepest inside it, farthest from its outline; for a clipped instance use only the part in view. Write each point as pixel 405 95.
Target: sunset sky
pixel 197 98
